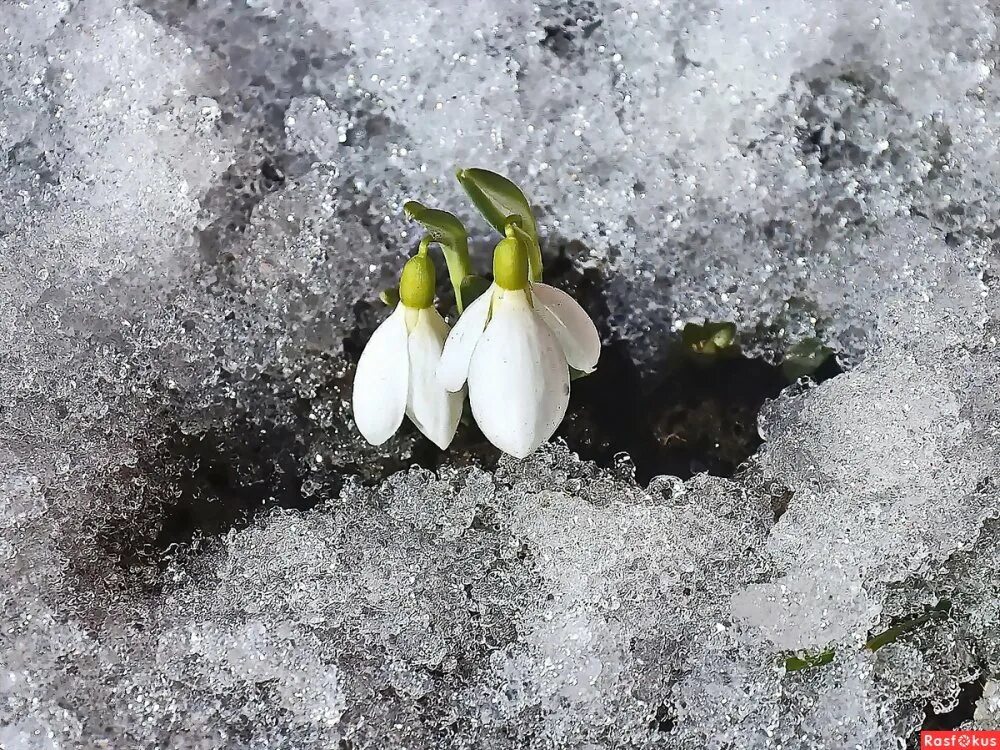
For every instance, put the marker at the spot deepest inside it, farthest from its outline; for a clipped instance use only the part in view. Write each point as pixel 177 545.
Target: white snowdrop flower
pixel 514 345
pixel 397 372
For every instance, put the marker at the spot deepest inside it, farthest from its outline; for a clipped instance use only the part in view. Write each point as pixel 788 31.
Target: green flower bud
pixel 417 282
pixel 510 265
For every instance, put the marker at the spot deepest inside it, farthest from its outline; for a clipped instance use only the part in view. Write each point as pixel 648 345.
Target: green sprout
pixel 805 660
pixel 709 338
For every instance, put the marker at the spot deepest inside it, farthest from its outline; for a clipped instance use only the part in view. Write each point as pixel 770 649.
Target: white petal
pixel 429 406
pixel 570 323
pixel 518 380
pixel 380 383
pixel 454 368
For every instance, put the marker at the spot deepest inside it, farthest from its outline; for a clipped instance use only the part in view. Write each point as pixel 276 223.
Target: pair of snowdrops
pixel 512 348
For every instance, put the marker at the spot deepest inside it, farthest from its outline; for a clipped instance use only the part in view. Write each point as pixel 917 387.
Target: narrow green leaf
pixel 806 660
pixel 498 199
pixel 389 296
pixel 891 635
pixel 443 227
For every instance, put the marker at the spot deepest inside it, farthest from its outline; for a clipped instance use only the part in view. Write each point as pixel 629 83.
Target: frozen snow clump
pixel 199 205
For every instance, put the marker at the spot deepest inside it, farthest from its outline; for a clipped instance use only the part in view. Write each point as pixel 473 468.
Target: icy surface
pixel 199 204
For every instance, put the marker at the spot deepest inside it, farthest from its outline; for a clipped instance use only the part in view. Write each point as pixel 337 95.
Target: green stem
pixel 447 231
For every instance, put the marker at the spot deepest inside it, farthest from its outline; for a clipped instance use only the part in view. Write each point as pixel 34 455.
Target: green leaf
pixel 449 233
pixel 390 296
pixel 710 338
pixel 498 199
pixel 941 609
pixel 805 358
pixel 443 227
pixel 807 661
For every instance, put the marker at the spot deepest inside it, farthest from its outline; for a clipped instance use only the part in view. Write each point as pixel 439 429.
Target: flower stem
pixel 447 231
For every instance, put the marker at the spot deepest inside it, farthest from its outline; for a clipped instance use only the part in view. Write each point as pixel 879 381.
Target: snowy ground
pixel 201 199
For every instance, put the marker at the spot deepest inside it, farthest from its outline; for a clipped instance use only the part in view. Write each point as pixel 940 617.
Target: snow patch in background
pixel 197 206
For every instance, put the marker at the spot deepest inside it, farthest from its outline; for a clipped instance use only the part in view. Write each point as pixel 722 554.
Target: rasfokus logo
pixel 959 739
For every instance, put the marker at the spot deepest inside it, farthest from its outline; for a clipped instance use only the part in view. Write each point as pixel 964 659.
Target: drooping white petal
pixel 434 410
pixel 454 368
pixel 574 329
pixel 380 383
pixel 518 379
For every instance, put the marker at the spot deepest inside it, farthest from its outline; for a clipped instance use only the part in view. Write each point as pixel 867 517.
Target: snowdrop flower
pixel 514 345
pixel 397 372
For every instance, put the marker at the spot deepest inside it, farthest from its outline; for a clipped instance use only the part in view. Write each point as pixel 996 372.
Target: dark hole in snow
pixel 227 480
pixel 697 414
pixel 662 721
pixel 700 416
pixel 968 696
pixel 201 485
